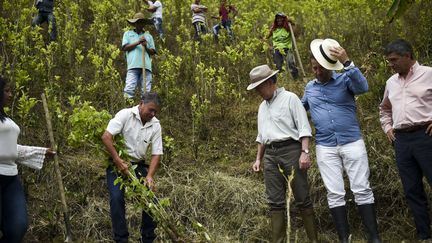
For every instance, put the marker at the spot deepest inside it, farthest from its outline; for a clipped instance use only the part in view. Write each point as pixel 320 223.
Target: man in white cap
pixel 283 144
pixel 339 143
pixel 134 43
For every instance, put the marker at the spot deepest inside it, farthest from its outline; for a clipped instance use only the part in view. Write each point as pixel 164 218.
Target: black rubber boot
pixel 368 215
pixel 340 219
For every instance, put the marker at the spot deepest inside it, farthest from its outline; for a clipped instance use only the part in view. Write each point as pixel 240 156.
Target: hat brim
pixel 315 48
pixel 145 21
pixel 255 84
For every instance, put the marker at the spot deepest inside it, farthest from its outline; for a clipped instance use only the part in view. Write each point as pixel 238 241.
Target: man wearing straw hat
pixel 133 43
pixel 283 144
pixel 330 98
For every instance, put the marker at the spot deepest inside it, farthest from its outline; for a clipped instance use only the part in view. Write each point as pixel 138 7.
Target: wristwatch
pixel 306 151
pixel 347 63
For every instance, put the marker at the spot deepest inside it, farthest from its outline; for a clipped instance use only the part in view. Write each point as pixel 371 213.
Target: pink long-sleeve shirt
pixel 407 101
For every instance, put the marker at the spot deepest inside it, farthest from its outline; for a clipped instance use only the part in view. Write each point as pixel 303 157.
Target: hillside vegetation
pixel 208 117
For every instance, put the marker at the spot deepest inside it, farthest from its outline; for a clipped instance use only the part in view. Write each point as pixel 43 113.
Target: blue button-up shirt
pixel 333 109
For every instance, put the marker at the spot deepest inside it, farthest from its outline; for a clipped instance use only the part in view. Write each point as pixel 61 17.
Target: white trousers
pixel 351 158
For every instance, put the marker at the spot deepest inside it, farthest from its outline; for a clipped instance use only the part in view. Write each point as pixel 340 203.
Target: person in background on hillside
pixel 225 20
pixel 199 19
pixel 406 118
pixel 139 128
pixel 330 98
pixel 45 14
pixel 13 206
pixel 155 7
pixel 133 43
pixel 283 144
pixel 282 43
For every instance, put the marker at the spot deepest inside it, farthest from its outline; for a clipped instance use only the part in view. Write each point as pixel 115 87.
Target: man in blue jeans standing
pixel 155 7
pixel 140 129
pixel 225 20
pixel 134 43
pixel 45 14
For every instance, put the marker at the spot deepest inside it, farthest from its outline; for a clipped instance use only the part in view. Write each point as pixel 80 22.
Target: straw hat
pixel 260 74
pixel 321 51
pixel 140 17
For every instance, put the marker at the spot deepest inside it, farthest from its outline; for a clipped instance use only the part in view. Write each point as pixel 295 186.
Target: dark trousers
pixel 117 210
pixel 280 55
pixel 13 209
pixel 200 28
pixel 414 160
pixel 287 159
pixel 43 17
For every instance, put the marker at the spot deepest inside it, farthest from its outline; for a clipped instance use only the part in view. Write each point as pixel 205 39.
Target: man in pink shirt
pixel 406 118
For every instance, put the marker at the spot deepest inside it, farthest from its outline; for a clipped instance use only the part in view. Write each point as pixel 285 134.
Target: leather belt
pixel 414 128
pixel 280 144
pixel 139 162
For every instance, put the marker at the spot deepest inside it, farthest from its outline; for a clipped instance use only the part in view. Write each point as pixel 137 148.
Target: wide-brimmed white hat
pixel 321 51
pixel 260 74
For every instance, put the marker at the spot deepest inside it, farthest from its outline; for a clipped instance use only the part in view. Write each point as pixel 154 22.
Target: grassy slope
pixel 206 169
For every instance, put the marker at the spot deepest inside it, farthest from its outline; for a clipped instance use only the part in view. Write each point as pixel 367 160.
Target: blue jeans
pixel 118 212
pixel 134 78
pixel 43 17
pixel 225 24
pixel 158 25
pixel 13 209
pixel 414 160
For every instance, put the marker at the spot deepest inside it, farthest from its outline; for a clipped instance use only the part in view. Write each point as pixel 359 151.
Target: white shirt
pixel 158 6
pixel 282 118
pixel 12 153
pixel 136 135
pixel 198 17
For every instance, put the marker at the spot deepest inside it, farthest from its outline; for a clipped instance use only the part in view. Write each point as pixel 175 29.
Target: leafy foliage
pixel 207 116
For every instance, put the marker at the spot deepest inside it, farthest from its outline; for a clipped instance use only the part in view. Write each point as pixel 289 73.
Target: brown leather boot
pixel 308 217
pixel 278 226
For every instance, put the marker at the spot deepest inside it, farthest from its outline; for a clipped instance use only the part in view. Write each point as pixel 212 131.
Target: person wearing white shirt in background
pixel 140 129
pixel 13 207
pixel 155 7
pixel 199 19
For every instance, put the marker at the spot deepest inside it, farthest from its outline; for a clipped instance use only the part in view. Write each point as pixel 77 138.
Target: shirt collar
pixel 333 77
pixel 150 123
pixel 275 94
pixel 135 111
pixel 412 70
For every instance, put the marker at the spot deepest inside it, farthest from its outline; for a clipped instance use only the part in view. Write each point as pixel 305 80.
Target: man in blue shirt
pixel 133 43
pixel 330 100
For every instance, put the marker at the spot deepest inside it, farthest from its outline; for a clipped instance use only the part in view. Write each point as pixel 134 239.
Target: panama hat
pixel 260 74
pixel 321 51
pixel 140 17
